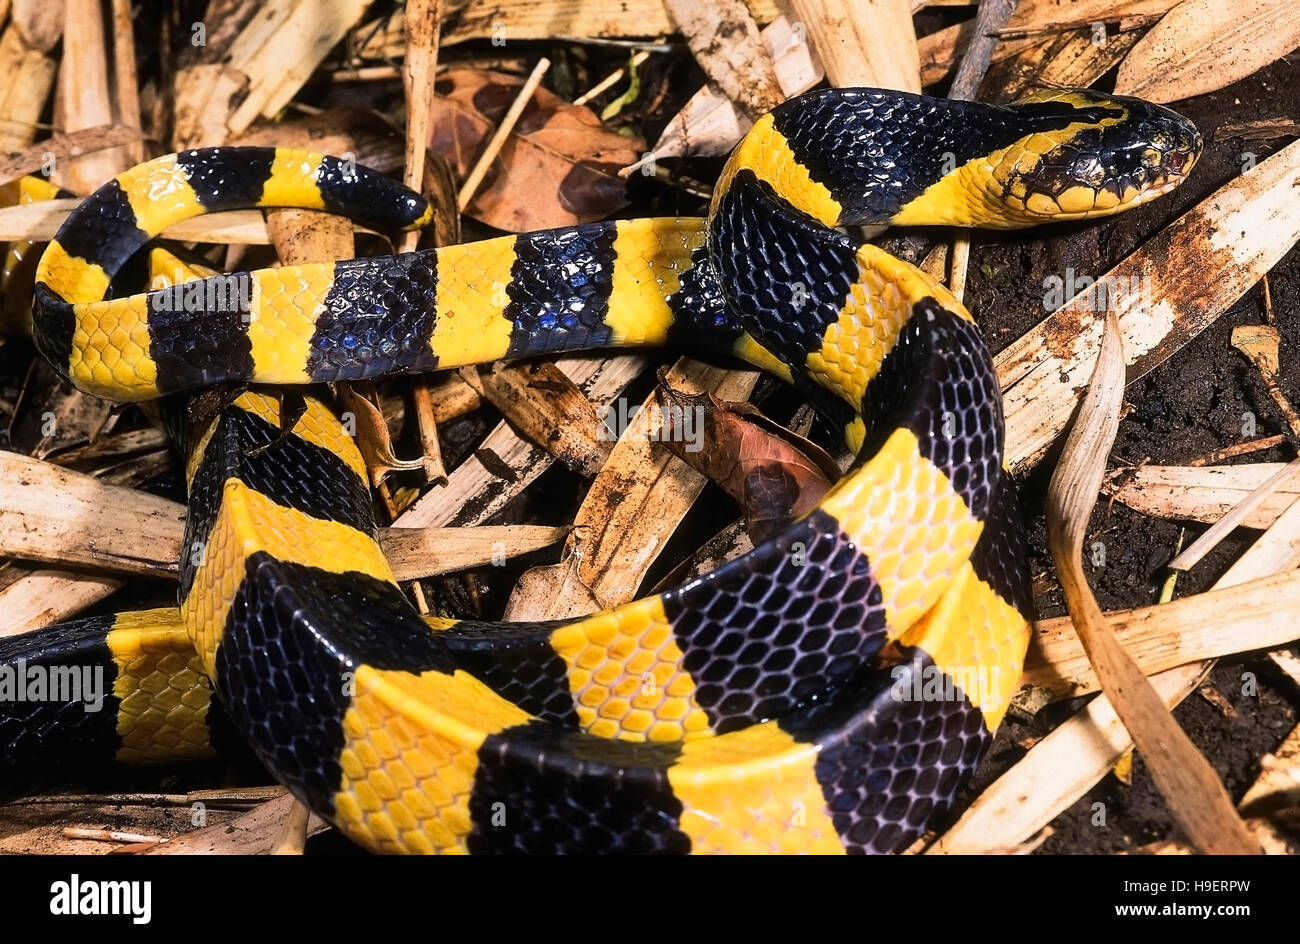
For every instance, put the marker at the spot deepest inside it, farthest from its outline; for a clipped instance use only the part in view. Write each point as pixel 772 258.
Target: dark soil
pixel 1190 405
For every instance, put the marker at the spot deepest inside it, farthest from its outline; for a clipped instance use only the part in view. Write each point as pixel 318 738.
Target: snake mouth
pixel 1168 173
pixel 1161 189
pixel 1173 167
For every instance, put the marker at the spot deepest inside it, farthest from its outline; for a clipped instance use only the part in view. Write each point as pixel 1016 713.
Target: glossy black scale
pixel 284 689
pixel 377 318
pixel 891 763
pixel 559 290
pixel 785 278
pixel 541 790
pixel 793 620
pixel 877 151
pixel 248 448
pixel 40 740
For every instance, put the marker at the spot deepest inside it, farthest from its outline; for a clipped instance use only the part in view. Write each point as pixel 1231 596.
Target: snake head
pixel 1117 153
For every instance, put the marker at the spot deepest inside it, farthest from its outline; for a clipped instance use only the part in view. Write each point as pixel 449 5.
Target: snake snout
pixel 1170 144
pixel 1132 152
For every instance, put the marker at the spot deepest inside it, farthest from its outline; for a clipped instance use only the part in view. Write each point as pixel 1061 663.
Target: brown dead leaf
pixel 305 236
pixel 83 99
pixel 1204 45
pixel 60 416
pixel 1070 59
pixel 545 407
pixel 252 833
pixel 710 124
pixel 1192 790
pixel 1036 22
pixel 62 146
pixel 557 168
pixel 1052 15
pixel 863 42
pixel 773 474
pixel 515 20
pixel 359 405
pixel 1199 493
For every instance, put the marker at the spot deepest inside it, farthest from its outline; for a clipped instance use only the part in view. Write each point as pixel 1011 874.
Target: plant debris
pixel 544 489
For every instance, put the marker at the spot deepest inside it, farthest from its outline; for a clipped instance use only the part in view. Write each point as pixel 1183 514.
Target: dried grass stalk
pixel 1193 792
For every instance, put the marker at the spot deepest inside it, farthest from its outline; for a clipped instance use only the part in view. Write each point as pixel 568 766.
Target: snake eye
pixel 1175 162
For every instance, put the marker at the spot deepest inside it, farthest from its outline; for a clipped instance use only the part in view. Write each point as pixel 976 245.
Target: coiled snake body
pixel 771 705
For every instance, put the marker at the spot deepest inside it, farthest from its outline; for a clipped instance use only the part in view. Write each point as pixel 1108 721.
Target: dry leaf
pixel 29 76
pixel 52 515
pixel 253 833
pixel 1255 615
pixel 1200 493
pixel 1191 789
pixel 42 598
pixel 1280 544
pixel 39 22
pixel 549 591
pixel 710 124
pixel 632 508
pixel 1068 60
pixel 727 45
pixel 1237 514
pixel 280 49
pixel 427 552
pixel 774 476
pixel 83 99
pixel 547 408
pixel 359 401
pixel 549 20
pixel 1059 14
pixel 476 489
pixel 60 146
pixel 1034 24
pixel 1068 762
pixel 868 43
pixel 557 168
pixel 1204 45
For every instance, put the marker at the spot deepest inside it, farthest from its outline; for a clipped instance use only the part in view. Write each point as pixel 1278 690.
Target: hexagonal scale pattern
pixel 782 625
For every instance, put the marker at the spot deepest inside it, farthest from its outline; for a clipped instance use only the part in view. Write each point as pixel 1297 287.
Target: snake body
pixel 830 691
